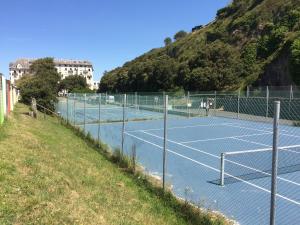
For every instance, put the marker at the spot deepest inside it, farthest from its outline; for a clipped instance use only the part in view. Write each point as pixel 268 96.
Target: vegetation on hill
pixel 50 176
pixel 250 42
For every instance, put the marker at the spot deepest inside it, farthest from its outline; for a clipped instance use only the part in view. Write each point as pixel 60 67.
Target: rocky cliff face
pixel 277 72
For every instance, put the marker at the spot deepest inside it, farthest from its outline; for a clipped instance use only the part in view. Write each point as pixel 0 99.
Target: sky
pixel 106 32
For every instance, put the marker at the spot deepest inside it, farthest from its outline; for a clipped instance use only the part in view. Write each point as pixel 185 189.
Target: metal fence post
pixel 188 104
pixel 291 93
pixel 267 100
pixel 165 139
pixel 274 162
pixel 248 91
pixel 84 109
pixel 67 108
pixel 123 123
pixel 222 175
pixel 215 104
pixel 99 118
pixel 290 100
pixel 238 105
pixel 74 109
pixel 135 100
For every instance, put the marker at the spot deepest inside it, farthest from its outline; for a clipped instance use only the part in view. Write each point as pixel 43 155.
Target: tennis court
pixel 194 149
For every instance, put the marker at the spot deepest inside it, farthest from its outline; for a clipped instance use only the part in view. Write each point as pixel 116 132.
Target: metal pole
pixel 290 100
pixel 222 169
pixel 291 93
pixel 165 139
pixel 248 91
pixel 74 110
pixel 123 124
pixel 267 99
pixel 84 106
pixel 215 103
pixel 67 108
pixel 188 104
pixel 99 118
pixel 135 100
pixel 238 106
pixel 274 162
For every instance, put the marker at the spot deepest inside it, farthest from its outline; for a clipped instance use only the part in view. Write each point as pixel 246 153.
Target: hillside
pixel 251 42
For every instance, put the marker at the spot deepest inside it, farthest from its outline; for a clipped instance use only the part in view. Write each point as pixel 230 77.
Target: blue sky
pixel 108 33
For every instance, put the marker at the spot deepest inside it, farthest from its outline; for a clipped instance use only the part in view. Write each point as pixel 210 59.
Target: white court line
pixel 270 128
pixel 222 138
pixel 184 127
pixel 214 169
pixel 258 143
pixel 248 128
pixel 218 157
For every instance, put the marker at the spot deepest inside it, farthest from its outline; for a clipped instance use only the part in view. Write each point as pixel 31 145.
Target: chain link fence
pixel 221 151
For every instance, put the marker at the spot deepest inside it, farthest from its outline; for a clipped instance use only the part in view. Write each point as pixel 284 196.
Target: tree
pixel 168 41
pixel 74 83
pixel 179 35
pixel 41 83
pixel 295 61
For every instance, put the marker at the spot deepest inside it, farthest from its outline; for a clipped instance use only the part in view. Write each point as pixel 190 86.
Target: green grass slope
pixel 241 47
pixel 50 176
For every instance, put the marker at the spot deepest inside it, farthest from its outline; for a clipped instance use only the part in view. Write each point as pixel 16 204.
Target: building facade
pixel 66 68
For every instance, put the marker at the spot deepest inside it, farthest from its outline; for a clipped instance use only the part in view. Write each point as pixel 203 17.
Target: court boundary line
pixel 181 127
pixel 249 128
pixel 222 138
pixel 259 143
pixel 214 169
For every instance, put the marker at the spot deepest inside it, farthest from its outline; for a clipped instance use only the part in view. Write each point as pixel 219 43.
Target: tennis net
pixel 256 164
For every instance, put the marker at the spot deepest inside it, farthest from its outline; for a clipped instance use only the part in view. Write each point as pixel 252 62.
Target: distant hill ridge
pixel 251 42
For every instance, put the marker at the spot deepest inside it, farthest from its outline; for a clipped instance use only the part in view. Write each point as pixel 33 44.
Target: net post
pixel 123 123
pixel 274 162
pixel 84 109
pixel 165 139
pixel 67 107
pixel 238 106
pixel 74 109
pixel 99 117
pixel 222 169
pixel 267 100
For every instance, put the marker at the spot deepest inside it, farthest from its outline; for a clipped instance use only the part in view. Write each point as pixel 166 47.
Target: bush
pixel 179 35
pixel 267 44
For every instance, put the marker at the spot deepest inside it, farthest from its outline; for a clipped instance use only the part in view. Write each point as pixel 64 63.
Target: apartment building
pixel 66 68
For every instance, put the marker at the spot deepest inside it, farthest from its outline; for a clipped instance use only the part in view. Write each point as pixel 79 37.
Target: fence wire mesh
pixel 219 145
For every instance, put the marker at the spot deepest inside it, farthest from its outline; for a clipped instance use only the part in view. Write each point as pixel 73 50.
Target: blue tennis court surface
pixel 193 163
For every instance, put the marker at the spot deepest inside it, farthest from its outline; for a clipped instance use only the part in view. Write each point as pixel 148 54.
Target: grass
pixel 50 176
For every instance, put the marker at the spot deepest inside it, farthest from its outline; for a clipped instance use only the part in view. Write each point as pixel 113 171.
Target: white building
pixel 66 68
